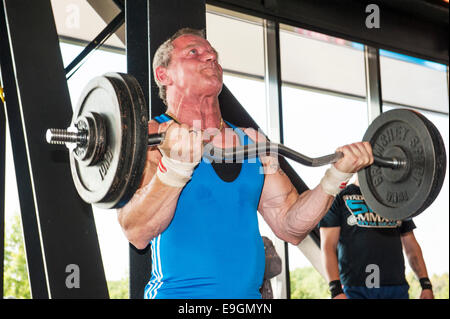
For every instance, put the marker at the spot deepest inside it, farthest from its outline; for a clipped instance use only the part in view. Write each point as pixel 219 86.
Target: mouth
pixel 214 70
pixel 211 70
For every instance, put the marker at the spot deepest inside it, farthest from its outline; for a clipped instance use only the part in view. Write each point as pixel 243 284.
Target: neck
pixel 197 112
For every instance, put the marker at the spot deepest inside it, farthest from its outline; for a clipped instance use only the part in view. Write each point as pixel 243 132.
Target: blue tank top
pixel 212 249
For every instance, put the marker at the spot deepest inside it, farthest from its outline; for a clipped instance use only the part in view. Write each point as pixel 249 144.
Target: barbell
pixel 108 138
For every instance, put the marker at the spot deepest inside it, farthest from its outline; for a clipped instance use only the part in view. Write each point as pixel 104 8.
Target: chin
pixel 214 88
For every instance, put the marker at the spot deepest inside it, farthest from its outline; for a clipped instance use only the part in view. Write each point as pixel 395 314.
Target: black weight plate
pixel 441 164
pixel 400 194
pixel 105 183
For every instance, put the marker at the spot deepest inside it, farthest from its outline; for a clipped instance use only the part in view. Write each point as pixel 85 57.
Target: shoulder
pixel 256 135
pixel 153 127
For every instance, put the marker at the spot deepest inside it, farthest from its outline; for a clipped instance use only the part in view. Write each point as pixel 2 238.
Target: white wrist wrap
pixel 334 181
pixel 173 172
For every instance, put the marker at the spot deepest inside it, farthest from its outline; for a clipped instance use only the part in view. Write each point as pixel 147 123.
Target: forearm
pixel 149 212
pixel 330 263
pixel 417 263
pixel 306 212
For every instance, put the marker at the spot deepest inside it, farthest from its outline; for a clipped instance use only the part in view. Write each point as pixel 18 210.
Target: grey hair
pixel 163 55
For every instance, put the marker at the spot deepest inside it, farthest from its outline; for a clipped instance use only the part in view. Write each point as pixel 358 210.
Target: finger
pixel 369 150
pixel 163 127
pixel 349 152
pixel 365 154
pixel 361 153
pixel 349 160
pixel 197 144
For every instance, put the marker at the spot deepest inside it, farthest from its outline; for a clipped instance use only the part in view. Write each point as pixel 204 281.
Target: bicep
pixel 329 237
pixel 409 242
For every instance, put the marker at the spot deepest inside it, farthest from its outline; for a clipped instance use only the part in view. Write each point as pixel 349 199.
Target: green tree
pixel 15 275
pixel 307 283
pixel 439 282
pixel 118 289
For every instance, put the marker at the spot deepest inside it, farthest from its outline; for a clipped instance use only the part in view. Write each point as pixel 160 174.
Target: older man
pixel 201 217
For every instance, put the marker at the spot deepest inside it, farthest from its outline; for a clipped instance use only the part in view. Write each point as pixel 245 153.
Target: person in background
pixel 362 252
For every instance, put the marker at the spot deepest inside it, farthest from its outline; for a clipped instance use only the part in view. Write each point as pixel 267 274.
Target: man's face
pixel 194 68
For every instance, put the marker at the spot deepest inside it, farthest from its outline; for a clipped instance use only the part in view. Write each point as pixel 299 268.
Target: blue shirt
pixel 212 248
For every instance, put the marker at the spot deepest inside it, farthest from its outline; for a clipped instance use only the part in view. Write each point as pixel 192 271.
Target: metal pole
pixel 373 82
pixel 275 132
pixel 136 17
pixel 2 190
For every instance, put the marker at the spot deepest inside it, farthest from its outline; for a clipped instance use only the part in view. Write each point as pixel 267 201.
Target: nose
pixel 210 56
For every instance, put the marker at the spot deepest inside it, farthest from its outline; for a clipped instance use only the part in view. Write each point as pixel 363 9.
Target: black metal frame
pixel 94 44
pixel 59 228
pixel 2 190
pixel 32 245
pixel 418 28
pixel 138 65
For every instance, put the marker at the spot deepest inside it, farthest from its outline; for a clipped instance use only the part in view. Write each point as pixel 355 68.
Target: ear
pixel 162 75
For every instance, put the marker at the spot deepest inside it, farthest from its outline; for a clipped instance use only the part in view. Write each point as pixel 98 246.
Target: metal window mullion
pixel 272 79
pixel 137 51
pixel 2 191
pixel 373 82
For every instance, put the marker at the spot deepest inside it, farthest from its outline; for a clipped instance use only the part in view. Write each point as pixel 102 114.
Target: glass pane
pixel 97 64
pixel 76 20
pixel 240 43
pixel 315 124
pixel 414 82
pixel 321 61
pixel 251 94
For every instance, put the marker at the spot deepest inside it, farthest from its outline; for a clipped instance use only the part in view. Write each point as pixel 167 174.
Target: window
pixel 413 82
pixel 324 107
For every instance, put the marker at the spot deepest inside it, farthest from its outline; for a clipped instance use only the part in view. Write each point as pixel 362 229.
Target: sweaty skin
pixel 193 80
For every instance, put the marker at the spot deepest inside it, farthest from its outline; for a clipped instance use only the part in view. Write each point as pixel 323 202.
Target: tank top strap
pixel 162 118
